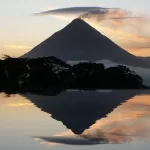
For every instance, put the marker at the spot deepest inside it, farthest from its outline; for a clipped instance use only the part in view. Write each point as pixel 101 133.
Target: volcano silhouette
pixel 79 110
pixel 80 41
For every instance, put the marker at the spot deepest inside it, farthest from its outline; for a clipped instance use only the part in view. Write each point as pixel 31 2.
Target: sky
pixel 20 30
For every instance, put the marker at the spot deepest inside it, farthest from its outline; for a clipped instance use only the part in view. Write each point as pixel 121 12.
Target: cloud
pixel 97 13
pixel 133 38
pixel 19 104
pixel 70 11
pixel 67 137
pixel 128 29
pixel 74 140
pixel 14 50
pixel 17 47
pixel 128 122
pixel 14 101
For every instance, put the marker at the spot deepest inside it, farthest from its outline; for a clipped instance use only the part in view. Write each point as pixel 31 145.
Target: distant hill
pixel 145 58
pixel 80 41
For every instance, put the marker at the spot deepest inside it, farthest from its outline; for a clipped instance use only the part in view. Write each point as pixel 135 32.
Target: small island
pixel 52 73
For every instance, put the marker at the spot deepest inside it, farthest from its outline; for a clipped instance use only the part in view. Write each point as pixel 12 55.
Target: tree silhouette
pixel 122 77
pixel 88 75
pixel 51 72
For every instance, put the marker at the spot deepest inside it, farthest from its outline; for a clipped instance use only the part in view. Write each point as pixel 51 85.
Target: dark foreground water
pixel 76 120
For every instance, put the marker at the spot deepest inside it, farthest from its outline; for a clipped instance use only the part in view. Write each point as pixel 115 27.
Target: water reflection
pixel 115 125
pixel 79 110
pixel 70 140
pixel 91 117
pixel 128 122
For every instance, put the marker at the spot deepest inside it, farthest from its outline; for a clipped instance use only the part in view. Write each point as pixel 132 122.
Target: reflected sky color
pixel 20 31
pixel 18 116
pixel 23 124
pixel 127 123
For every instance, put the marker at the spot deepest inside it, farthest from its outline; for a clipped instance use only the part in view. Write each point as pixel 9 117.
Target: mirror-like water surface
pixel 108 119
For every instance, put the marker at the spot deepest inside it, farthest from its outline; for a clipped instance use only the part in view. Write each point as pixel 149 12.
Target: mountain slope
pixel 79 41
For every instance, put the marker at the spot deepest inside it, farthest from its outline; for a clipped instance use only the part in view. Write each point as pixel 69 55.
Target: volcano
pixel 79 41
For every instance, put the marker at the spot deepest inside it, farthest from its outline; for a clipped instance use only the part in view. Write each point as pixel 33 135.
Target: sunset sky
pixel 20 30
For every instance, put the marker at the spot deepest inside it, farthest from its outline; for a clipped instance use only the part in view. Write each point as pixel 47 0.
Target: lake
pixel 103 119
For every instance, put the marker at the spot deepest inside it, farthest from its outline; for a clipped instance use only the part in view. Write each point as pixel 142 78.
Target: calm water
pixel 76 120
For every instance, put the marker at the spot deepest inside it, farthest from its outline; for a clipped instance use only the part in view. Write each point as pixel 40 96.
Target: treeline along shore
pixel 52 73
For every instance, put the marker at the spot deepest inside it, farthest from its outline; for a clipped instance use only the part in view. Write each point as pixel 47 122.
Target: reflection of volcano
pixel 79 110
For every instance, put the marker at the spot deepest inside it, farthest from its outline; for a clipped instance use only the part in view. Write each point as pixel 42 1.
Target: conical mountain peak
pixel 78 21
pixel 80 25
pixel 80 41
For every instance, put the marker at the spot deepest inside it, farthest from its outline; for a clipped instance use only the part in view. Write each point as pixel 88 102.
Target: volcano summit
pixel 79 41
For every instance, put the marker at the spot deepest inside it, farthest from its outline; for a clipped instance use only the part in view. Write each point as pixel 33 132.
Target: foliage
pixel 51 72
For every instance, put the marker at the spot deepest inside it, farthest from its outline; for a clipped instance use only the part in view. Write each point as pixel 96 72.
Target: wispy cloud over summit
pixel 72 10
pixel 100 13
pixel 116 23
